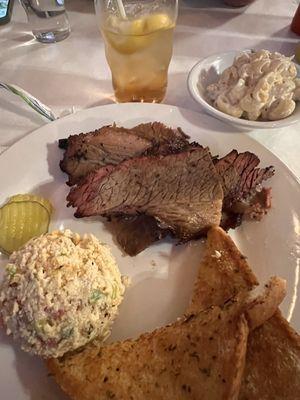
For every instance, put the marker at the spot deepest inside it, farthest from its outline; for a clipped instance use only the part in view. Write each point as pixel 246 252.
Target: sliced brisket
pixel 165 140
pixel 110 145
pixel 241 182
pixel 135 234
pixel 181 191
pixel 151 195
pixel 240 177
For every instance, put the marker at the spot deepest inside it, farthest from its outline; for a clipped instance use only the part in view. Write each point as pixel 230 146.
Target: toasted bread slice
pixel 185 360
pixel 272 370
pixel 223 273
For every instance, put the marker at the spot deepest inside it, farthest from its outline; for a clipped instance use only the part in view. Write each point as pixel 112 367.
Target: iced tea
pixel 139 51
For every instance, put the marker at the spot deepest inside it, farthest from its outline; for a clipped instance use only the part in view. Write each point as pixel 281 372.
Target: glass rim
pixel 173 4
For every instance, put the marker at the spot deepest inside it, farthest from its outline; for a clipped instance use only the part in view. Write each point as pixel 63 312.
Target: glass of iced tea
pixel 138 38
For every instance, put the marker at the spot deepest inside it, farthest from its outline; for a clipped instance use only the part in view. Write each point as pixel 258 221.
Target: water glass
pixel 48 19
pixel 138 37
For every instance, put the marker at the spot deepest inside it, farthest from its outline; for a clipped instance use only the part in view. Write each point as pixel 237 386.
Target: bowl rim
pixel 194 92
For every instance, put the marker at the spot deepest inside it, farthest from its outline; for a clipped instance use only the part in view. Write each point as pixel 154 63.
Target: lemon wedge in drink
pixel 136 27
pixel 22 218
pixel 132 36
pixel 129 37
pixel 156 22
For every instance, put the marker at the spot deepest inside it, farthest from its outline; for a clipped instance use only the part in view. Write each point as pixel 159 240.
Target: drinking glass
pixel 138 45
pixel 48 19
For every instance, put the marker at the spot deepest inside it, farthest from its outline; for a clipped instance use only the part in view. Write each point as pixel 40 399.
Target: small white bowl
pixel 207 71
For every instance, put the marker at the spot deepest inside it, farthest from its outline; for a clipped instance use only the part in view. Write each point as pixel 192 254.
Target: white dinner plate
pixel 163 275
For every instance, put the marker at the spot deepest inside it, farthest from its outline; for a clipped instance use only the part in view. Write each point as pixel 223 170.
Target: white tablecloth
pixel 74 72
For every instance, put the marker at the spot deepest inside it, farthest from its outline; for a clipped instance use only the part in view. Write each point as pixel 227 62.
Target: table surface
pixel 74 73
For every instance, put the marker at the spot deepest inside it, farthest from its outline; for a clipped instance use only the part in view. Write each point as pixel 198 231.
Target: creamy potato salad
pixel 59 292
pixel 259 84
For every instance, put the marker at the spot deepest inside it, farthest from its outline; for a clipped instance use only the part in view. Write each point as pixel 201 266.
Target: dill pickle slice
pixel 21 221
pixel 32 197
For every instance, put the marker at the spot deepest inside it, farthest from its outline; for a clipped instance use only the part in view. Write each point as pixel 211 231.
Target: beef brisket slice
pixel 181 191
pixel 240 177
pixel 164 140
pixel 111 145
pixel 135 234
